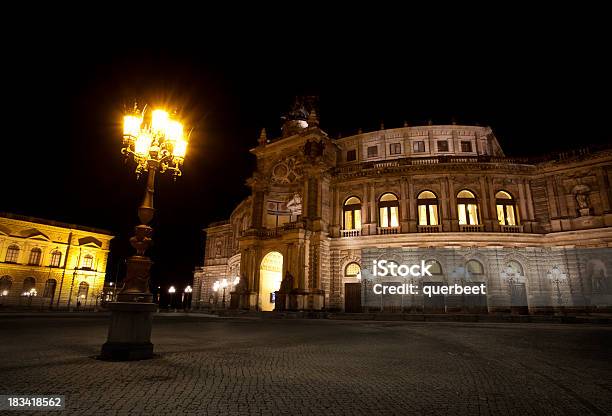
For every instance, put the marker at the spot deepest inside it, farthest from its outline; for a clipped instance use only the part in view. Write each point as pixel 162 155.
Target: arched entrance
pixel 270 277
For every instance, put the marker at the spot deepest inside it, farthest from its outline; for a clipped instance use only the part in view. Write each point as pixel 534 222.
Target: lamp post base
pixel 129 334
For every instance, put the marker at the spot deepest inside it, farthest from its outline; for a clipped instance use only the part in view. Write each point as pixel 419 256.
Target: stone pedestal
pixel 129 334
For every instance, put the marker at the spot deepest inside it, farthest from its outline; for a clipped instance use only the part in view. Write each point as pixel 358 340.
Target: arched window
pixel 474 269
pixel 514 268
pixel 49 288
pixel 35 255
pixel 352 270
pixel 5 285
pixel 88 261
pixel 467 208
pixel 352 213
pixel 56 258
pixel 388 211
pixel 12 254
pixel 83 289
pixel 436 267
pixel 506 208
pixel 28 285
pixel 427 208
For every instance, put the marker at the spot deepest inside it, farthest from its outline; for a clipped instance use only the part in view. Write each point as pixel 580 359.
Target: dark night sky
pixel 539 91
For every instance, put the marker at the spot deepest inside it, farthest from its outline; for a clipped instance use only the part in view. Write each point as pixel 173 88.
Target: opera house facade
pixel 537 232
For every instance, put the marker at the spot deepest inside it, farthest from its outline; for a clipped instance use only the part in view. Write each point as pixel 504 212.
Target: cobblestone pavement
pixel 310 367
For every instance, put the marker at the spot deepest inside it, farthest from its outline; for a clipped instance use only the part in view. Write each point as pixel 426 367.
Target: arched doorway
pixel 270 277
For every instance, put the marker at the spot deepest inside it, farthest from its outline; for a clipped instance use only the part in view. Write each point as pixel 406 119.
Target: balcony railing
pixel 350 233
pixel 429 228
pixel 388 230
pixel 511 228
pixel 471 228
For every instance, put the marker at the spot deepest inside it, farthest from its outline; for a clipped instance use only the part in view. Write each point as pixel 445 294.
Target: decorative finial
pixel 430 122
pixel 406 124
pixel 382 125
pixel 453 120
pixel 263 138
pixel 359 131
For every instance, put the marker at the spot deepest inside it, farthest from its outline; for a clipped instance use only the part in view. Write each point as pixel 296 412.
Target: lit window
pixel 395 148
pixel 388 209
pixel 372 151
pixel 352 270
pixel 35 255
pixel 467 208
pixel 427 207
pixel 56 258
pixel 443 146
pixel 466 146
pixel 352 214
pixel 351 155
pixel 12 254
pixel 506 209
pixel 418 146
pixel 83 289
pixel 88 261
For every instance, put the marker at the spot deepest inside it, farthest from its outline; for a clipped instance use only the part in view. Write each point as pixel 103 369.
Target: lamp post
pixel 224 285
pixel 188 291
pixel 155 141
pixel 171 291
pixel 216 287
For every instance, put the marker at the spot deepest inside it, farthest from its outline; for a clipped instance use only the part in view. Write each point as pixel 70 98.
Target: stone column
pixel 452 202
pixel 404 207
pixel 412 202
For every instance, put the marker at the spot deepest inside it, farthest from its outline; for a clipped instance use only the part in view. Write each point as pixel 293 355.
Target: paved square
pixel 270 367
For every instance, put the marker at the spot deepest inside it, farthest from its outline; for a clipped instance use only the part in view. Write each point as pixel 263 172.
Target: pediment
pixel 34 233
pixel 90 241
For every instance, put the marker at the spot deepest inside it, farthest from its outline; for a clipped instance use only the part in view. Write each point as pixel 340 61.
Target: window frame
pixel 469 145
pixel 55 254
pixel 351 208
pixel 395 148
pixel 416 146
pixel 427 202
pixel 12 253
pixel 466 202
pixel 439 142
pixel 35 257
pixel 506 204
pixel 374 154
pixel 85 263
pixel 351 152
pixel 387 205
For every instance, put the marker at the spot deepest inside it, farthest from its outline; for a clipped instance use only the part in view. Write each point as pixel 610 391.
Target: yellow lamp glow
pixel 174 131
pixel 159 122
pixel 142 145
pixel 180 148
pixel 131 125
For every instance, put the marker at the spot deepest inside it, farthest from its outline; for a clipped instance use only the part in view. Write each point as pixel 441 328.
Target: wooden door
pixel 352 297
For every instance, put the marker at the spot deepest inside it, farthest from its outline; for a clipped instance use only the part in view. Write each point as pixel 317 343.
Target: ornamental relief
pixel 288 170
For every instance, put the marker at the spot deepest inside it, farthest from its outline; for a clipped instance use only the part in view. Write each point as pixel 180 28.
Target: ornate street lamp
pixel 224 285
pixel 171 291
pixel 155 141
pixel 187 291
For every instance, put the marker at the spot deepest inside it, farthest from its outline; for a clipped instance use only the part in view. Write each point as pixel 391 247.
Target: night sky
pixel 545 90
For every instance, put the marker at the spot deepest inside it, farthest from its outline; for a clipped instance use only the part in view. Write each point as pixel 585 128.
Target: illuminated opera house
pixel 536 231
